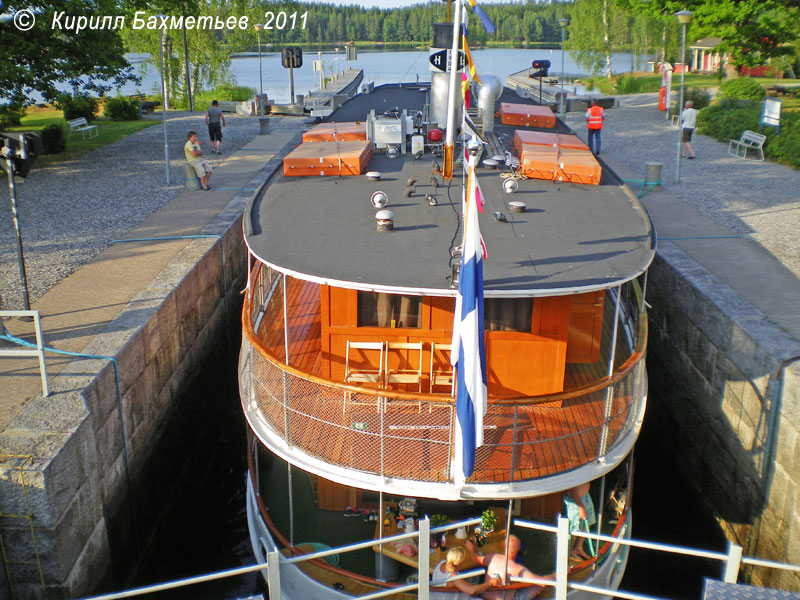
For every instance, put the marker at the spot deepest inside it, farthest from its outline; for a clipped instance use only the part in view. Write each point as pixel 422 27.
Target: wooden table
pixel 496 543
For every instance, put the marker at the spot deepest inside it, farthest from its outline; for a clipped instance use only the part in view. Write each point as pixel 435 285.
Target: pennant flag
pixel 470 176
pixel 465 90
pixel 484 18
pixel 473 72
pixel 469 352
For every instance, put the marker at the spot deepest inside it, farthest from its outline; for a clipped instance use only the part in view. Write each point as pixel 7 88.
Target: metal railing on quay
pixel 560 580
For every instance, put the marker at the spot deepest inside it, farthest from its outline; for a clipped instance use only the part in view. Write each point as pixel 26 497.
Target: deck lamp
pixel 161 41
pixel 684 18
pixel 563 23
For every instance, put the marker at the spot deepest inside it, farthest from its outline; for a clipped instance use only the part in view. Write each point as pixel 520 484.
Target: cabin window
pixel 388 310
pixel 508 314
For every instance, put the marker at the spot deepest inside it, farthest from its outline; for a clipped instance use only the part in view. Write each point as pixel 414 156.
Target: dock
pixel 338 90
pixel 550 94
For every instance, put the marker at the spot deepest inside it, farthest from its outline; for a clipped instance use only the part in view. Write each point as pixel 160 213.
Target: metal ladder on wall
pixel 9 463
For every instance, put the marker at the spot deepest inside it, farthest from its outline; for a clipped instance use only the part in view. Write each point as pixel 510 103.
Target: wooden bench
pixel 228 106
pixel 80 124
pixel 148 106
pixel 749 140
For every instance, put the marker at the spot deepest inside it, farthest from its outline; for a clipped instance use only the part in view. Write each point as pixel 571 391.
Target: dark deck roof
pixel 571 236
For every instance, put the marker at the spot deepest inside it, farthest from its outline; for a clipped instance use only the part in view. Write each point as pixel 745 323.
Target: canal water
pixel 205 529
pixel 380 67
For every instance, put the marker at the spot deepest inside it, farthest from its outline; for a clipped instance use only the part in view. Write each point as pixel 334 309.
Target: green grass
pixel 108 132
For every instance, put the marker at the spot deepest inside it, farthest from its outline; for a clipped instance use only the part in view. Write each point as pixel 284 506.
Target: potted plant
pixel 439 519
pixel 489 520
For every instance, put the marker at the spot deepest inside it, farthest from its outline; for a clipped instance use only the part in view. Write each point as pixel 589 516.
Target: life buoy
pixel 662 98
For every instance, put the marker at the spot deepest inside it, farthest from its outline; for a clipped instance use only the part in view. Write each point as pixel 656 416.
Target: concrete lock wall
pixel 63 457
pixel 730 420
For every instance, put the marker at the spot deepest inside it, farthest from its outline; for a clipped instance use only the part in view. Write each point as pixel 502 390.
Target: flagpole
pixel 451 96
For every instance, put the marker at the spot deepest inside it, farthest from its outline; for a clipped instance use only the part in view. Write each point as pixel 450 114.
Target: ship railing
pixel 406 435
pixel 731 562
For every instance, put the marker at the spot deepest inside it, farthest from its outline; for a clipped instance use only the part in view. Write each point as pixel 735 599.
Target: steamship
pixel 345 370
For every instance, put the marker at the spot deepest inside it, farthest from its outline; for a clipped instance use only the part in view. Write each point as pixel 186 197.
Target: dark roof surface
pixel 571 235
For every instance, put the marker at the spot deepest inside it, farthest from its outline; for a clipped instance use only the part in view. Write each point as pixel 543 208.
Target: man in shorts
pixel 193 153
pixel 215 121
pixel 495 565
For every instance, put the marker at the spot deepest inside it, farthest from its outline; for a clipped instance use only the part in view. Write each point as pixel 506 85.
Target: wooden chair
pixel 356 374
pixel 409 374
pixel 441 372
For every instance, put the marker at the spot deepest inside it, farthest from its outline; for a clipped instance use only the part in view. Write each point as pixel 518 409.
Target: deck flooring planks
pixel 409 444
pixel 305 326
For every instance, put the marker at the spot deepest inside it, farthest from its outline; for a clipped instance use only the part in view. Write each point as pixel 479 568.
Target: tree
pixel 752 31
pixel 51 54
pixel 592 33
pixel 209 59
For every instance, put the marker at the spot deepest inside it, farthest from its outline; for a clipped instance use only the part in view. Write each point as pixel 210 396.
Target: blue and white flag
pixel 468 353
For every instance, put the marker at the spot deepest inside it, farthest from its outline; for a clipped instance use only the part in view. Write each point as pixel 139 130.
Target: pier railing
pixel 409 436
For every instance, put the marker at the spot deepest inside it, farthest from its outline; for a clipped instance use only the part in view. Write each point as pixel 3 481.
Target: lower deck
pixel 310 519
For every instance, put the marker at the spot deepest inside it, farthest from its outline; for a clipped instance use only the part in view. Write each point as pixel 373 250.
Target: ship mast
pixel 449 151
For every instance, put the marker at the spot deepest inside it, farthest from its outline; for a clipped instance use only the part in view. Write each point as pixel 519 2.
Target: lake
pixel 379 66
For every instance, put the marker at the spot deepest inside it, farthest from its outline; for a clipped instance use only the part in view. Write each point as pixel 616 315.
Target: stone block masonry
pixel 730 407
pixel 78 460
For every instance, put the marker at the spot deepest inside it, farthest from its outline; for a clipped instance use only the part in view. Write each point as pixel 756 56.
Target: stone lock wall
pixel 93 492
pixel 730 408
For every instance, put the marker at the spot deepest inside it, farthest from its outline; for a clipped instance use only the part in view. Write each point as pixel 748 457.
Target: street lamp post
pixel 259 27
pixel 684 17
pixel 164 98
pixel 563 23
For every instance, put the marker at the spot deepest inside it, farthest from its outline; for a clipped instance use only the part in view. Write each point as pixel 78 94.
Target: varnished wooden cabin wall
pixel 525 363
pixel 585 327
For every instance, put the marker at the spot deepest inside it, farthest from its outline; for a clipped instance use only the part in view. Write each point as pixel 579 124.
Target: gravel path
pixel 69 212
pixel 758 200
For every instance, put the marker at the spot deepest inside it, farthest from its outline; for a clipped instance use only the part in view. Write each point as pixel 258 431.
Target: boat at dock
pixel 345 370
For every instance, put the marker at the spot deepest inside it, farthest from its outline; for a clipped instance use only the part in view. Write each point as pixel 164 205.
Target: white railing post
pixel 562 558
pixel 732 563
pixel 37 321
pixel 424 542
pixel 274 574
pixel 40 348
pixel 601 451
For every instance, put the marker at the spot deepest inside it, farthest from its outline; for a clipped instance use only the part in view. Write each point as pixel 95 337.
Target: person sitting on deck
pixel 449 567
pixel 580 512
pixel 495 565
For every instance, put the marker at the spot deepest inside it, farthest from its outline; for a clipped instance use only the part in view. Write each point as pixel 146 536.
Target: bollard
pixel 191 181
pixel 264 123
pixel 653 175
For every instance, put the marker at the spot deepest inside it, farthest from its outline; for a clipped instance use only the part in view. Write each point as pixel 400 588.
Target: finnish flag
pixel 468 346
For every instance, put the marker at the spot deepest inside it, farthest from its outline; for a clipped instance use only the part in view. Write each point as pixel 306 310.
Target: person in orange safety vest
pixel 594 120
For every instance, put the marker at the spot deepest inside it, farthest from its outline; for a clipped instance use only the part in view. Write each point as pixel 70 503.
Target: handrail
pixel 601 384
pixel 264 512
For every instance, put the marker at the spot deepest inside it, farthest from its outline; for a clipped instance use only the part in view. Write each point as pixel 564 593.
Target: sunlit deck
pixel 408 436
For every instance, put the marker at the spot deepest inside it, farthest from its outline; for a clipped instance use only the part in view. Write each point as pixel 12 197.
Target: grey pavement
pixel 71 210
pixel 103 277
pixel 738 218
